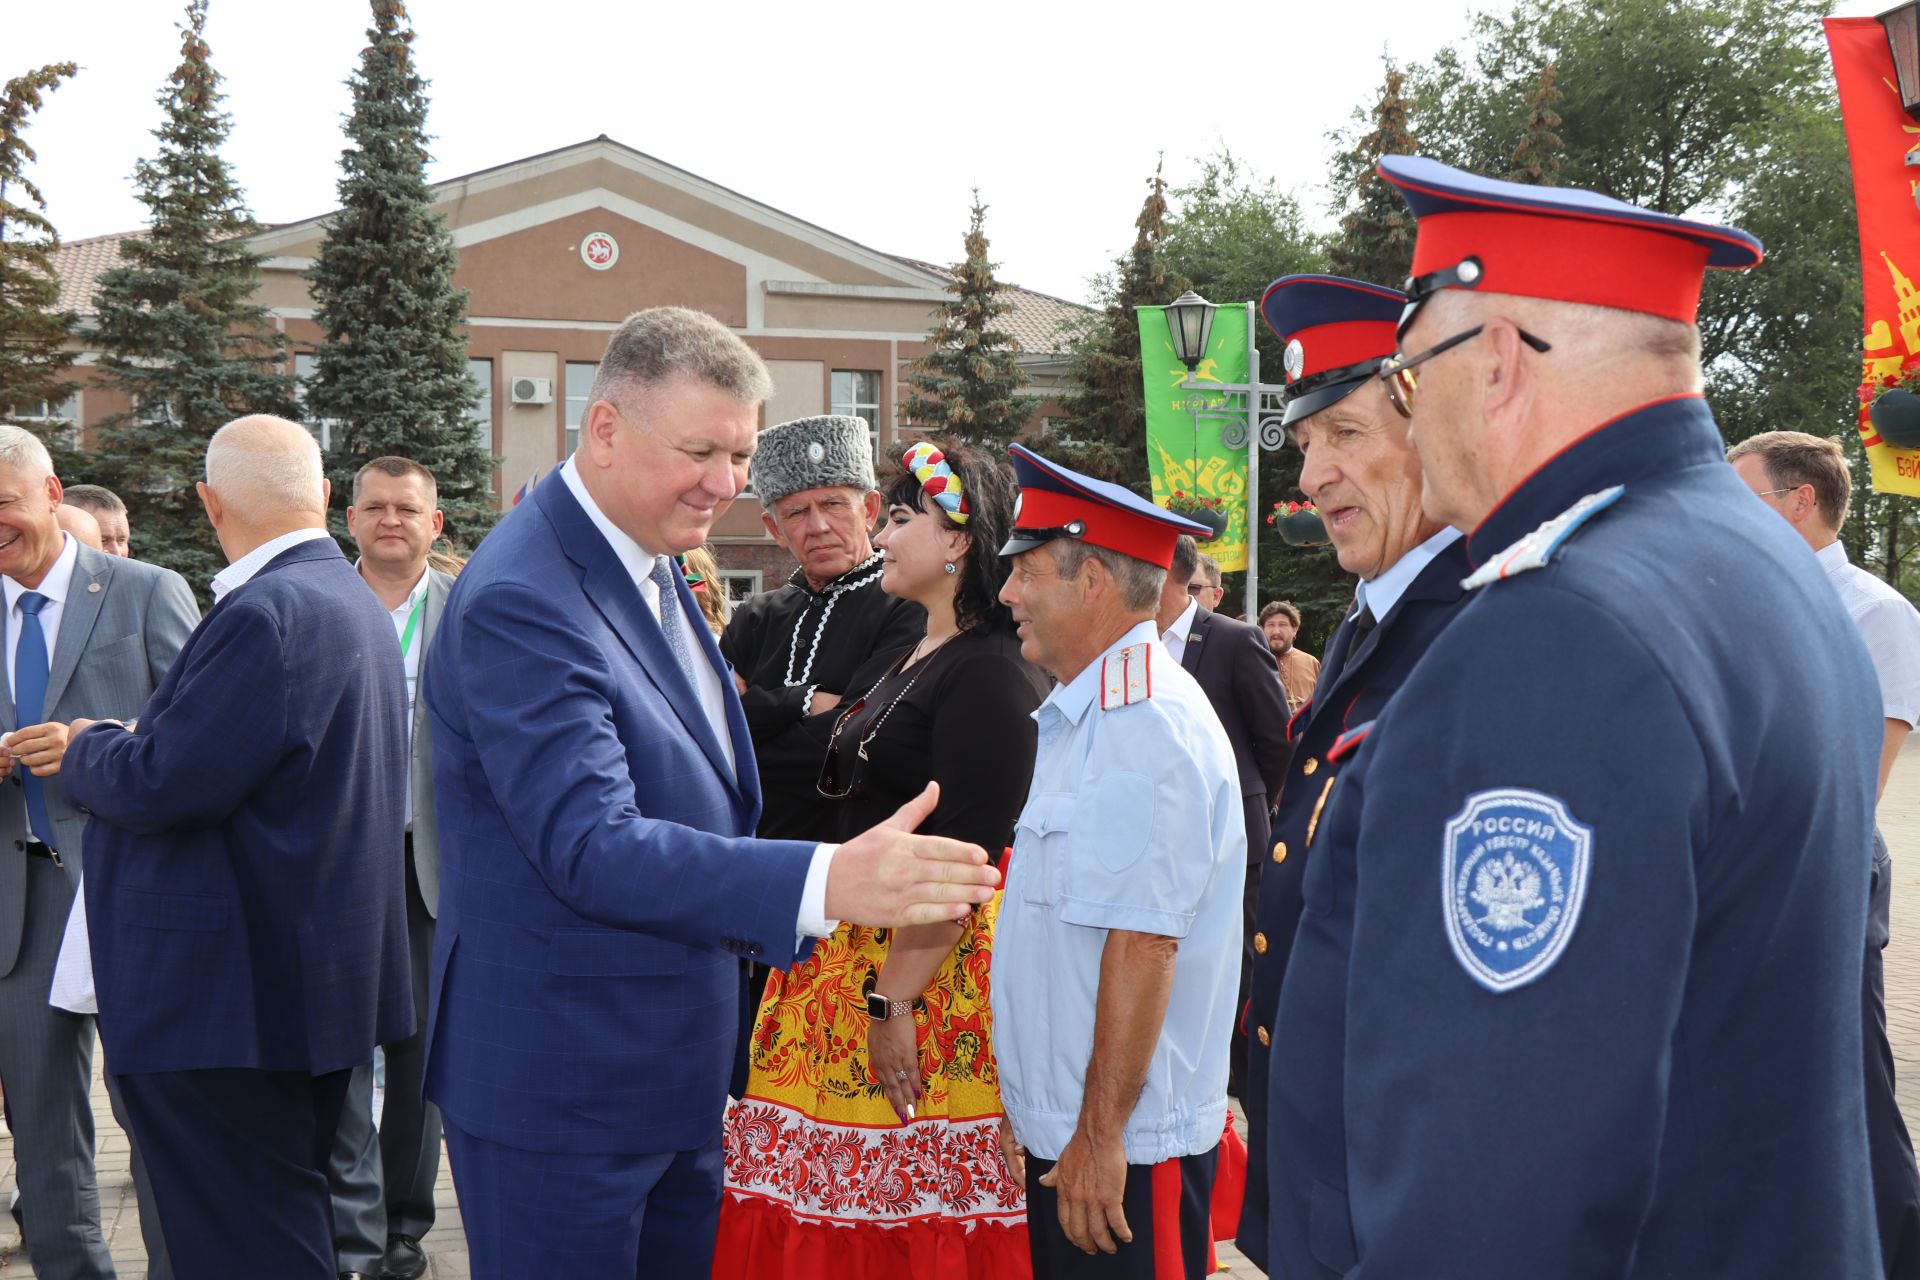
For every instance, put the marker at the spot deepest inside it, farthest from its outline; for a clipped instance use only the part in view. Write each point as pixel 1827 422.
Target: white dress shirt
pixel 639 562
pixel 55 586
pixel 241 571
pixel 1889 624
pixel 1175 636
pixel 1383 591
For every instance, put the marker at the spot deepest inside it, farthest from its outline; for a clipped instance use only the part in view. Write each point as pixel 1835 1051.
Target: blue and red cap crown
pixel 1056 502
pixel 1337 332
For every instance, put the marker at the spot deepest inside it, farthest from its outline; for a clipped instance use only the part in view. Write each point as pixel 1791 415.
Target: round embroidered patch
pixel 1514 877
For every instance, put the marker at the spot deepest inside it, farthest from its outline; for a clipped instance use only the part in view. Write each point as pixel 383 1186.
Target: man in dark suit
pixel 1237 671
pixel 596 798
pixel 383 1189
pixel 244 888
pixel 1361 471
pixel 84 635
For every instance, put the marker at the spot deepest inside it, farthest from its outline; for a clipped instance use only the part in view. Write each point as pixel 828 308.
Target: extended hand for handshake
pixel 888 877
pixel 40 747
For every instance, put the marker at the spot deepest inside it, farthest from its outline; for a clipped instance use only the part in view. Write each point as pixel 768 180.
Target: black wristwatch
pixel 879 1008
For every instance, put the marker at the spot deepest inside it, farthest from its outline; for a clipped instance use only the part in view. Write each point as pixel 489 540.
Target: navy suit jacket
pixel 599 880
pixel 244 883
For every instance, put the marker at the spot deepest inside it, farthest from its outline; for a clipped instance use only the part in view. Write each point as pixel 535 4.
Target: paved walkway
pixel 447 1248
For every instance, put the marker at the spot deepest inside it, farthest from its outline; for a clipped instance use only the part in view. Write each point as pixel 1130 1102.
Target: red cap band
pixel 1345 342
pixel 1142 537
pixel 1603 264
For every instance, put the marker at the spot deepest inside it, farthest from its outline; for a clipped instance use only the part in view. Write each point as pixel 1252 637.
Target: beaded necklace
pixel 833 592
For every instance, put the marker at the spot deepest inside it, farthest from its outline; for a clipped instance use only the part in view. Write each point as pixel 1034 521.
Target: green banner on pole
pixel 1186 458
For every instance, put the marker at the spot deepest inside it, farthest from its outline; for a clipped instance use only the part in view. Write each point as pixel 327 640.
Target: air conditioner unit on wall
pixel 531 391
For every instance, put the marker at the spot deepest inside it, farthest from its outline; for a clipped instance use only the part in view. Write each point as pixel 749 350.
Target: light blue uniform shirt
pixel 1134 822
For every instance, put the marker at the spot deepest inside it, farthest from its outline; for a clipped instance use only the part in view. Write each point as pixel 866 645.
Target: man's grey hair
pixel 22 450
pixel 96 498
pixel 263 466
pixel 1209 568
pixel 654 346
pixel 1140 583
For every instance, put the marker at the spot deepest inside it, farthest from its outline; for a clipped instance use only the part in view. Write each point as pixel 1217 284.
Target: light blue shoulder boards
pixel 1537 548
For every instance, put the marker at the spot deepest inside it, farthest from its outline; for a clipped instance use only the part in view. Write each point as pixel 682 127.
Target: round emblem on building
pixel 599 250
pixel 1295 359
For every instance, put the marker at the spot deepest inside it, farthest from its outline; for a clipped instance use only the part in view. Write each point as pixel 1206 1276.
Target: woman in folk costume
pixel 866 1143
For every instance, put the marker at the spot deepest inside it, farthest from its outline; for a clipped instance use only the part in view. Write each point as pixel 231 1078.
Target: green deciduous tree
pixel 968 384
pixel 34 330
pixel 391 377
pixel 177 325
pixel 1537 158
pixel 1376 231
pixel 1104 429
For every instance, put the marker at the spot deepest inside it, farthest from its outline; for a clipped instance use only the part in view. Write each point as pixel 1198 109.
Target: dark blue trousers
pixel 238 1163
pixel 555 1213
pixel 1168 1208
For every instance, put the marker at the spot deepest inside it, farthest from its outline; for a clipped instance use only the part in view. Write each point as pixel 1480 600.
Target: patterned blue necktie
pixel 30 703
pixel 663 577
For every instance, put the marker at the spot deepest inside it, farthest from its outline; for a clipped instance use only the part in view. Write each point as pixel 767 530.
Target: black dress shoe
pixel 405 1259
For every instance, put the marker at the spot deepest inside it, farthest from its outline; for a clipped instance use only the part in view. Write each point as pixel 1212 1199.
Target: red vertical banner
pixel 1879 135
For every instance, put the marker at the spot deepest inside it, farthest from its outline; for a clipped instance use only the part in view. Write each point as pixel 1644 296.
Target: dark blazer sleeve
pixel 539 695
pixel 217 738
pixel 1263 706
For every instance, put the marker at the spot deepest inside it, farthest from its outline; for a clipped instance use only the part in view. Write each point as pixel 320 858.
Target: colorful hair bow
pixel 929 467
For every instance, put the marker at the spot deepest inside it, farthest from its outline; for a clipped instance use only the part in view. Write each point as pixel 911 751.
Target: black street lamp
pixel 1903 41
pixel 1190 322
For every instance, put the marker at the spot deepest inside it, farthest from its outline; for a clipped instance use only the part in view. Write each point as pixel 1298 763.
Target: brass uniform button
pixel 1280 851
pixel 1259 944
pixel 1265 1039
pixel 1311 767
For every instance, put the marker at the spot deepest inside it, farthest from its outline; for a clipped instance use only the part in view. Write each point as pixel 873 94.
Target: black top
pixel 792 639
pixel 965 722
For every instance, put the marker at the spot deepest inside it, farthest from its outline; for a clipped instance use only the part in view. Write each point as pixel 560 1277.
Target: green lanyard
pixel 413 620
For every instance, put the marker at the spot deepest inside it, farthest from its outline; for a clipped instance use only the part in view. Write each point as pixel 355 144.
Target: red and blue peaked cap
pixel 1337 332
pixel 1056 502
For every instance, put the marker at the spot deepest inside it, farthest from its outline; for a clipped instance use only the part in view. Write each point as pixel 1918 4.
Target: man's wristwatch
pixel 879 1008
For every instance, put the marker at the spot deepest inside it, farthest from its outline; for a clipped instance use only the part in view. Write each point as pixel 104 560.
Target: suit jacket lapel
pixel 438 585
pixel 612 591
pixel 87 592
pixel 1440 581
pixel 1190 653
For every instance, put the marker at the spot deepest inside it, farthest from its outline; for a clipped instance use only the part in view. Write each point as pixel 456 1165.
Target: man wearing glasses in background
pixel 1601 977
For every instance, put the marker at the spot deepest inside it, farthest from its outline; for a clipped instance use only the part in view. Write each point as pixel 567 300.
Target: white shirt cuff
pixel 813 921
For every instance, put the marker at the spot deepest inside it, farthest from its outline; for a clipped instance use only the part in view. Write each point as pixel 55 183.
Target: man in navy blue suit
pixel 244 891
pixel 596 798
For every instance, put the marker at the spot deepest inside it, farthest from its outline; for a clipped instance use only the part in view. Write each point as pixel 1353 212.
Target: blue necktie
pixel 30 703
pixel 663 577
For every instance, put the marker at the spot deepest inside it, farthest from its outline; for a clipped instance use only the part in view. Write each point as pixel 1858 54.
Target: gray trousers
pixel 46 1068
pixel 382 1184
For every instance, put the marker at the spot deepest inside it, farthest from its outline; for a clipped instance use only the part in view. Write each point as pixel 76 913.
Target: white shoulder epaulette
pixel 1537 548
pixel 1126 677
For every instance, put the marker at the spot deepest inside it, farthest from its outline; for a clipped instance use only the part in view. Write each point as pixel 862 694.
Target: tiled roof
pixel 79 263
pixel 1037 318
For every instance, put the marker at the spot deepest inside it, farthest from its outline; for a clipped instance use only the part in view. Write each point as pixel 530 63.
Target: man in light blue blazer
pixel 596 798
pixel 85 634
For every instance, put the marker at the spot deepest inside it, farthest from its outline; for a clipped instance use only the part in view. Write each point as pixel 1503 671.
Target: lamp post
pixel 1902 24
pixel 1249 413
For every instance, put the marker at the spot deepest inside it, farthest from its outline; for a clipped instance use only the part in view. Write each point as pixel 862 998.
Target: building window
pixel 304 363
pixel 856 394
pixel 741 583
pixel 579 383
pixel 481 415
pixel 63 417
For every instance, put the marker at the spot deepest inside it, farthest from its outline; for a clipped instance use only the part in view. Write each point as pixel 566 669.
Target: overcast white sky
pixel 871 119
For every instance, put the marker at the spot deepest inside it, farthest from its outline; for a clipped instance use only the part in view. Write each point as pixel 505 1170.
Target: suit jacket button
pixel 1259 944
pixel 1311 767
pixel 1266 1039
pixel 1280 851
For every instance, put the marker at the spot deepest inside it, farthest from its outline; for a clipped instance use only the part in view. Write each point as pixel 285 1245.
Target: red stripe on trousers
pixel 1168 1262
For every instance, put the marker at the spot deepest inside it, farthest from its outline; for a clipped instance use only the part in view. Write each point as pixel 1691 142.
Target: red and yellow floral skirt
pixel 823 1179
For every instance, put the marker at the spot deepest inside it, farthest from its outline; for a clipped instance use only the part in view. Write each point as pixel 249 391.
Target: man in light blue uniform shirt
pixel 1117 955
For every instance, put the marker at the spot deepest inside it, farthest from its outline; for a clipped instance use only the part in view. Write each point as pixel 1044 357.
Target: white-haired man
pixel 244 886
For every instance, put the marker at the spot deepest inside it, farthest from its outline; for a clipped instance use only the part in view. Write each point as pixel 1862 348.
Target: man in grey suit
pixel 86 635
pixel 395 518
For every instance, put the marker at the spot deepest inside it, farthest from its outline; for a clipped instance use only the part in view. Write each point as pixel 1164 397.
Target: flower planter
pixel 1303 529
pixel 1214 519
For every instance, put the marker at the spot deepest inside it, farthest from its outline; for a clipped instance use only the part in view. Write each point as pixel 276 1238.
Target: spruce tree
pixel 1376 231
pixel 1104 429
pixel 391 377
pixel 33 329
pixel 967 385
pixel 178 329
pixel 1537 158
